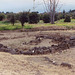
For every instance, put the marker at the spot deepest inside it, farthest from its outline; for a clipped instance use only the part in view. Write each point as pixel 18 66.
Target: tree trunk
pixel 13 24
pixel 51 6
pixel 53 13
pixel 52 17
pixel 22 25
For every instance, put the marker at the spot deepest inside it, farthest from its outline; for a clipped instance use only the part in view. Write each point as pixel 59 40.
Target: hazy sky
pixel 25 5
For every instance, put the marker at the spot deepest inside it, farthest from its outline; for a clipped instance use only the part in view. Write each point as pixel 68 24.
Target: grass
pixel 4 25
pixel 9 26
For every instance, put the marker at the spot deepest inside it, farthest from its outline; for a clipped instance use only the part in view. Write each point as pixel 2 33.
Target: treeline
pixel 22 17
pixel 35 17
pixel 67 16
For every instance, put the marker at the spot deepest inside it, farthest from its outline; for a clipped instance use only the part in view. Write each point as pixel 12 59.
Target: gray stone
pixel 72 38
pixel 1 45
pixel 66 65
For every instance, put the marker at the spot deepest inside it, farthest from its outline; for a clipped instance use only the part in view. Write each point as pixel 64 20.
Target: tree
pixel 9 15
pixel 2 16
pixel 64 14
pixel 46 18
pixel 56 17
pixel 12 19
pixel 73 16
pixel 67 18
pixel 23 17
pixel 34 17
pixel 51 6
pixel 41 16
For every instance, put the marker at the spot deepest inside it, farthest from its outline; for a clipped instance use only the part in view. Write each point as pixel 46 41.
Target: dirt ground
pixel 35 64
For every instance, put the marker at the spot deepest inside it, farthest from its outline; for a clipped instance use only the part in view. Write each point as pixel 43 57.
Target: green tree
pixel 2 16
pixel 67 18
pixel 34 17
pixel 23 17
pixel 64 14
pixel 46 18
pixel 12 19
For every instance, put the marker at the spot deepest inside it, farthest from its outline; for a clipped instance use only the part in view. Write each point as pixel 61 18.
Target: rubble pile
pixel 63 43
pixel 35 41
pixel 8 49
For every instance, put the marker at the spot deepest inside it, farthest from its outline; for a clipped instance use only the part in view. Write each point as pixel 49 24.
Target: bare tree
pixel 51 6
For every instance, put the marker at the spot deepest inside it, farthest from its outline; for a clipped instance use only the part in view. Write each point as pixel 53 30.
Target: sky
pixel 25 5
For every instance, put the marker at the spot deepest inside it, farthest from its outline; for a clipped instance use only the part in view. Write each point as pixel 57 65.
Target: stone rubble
pixel 63 43
pixel 66 65
pixel 7 49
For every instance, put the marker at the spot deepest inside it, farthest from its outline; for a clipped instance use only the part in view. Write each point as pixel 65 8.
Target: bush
pixel 41 16
pixel 56 17
pixel 2 16
pixel 23 17
pixel 34 18
pixel 17 15
pixel 9 15
pixel 60 16
pixel 73 16
pixel 67 18
pixel 46 18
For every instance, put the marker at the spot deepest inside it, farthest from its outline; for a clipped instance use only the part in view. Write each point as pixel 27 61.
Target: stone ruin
pixel 8 49
pixel 63 43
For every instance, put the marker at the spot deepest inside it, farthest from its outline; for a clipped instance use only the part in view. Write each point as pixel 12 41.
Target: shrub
pixel 9 16
pixel 56 17
pixel 73 16
pixel 2 16
pixel 60 16
pixel 67 18
pixel 17 15
pixel 41 16
pixel 34 18
pixel 23 17
pixel 46 18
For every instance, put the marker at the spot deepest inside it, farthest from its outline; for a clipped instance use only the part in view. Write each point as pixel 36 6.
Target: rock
pixel 51 61
pixel 24 43
pixel 5 46
pixel 28 53
pixel 1 45
pixel 66 65
pixel 72 38
pixel 22 52
pixel 55 63
pixel 12 51
pixel 35 41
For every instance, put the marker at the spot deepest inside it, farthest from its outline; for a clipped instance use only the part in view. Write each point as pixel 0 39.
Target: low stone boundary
pixel 63 43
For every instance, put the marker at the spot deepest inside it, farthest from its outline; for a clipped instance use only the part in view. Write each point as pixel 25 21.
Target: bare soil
pixel 48 64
